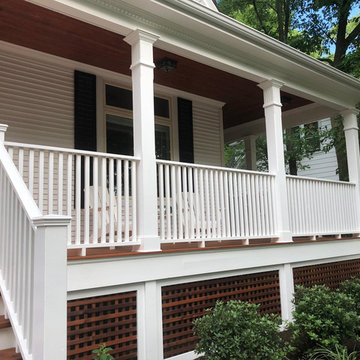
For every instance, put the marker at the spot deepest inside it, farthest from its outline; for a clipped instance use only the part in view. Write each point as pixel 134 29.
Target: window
pixel 119 123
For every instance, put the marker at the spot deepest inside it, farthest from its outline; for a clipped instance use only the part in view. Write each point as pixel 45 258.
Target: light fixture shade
pixel 166 64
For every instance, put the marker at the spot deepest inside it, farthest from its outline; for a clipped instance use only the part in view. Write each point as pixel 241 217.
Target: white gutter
pixel 255 37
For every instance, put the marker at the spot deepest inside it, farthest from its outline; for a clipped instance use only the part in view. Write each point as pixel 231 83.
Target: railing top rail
pixel 320 180
pixel 71 151
pixel 19 186
pixel 211 167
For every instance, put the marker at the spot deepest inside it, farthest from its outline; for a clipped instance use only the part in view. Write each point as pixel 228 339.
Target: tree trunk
pixel 289 148
pixel 340 156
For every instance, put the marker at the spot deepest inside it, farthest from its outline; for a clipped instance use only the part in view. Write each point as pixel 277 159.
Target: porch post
pixel 50 288
pixel 142 67
pixel 352 150
pixel 275 148
pixel 3 129
pixel 250 152
pixel 352 144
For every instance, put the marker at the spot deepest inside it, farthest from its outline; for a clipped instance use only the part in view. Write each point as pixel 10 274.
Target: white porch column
pixel 352 150
pixel 352 144
pixel 142 67
pixel 250 152
pixel 275 148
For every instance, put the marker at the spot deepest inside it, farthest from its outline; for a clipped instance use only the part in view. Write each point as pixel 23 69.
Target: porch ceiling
pixel 31 26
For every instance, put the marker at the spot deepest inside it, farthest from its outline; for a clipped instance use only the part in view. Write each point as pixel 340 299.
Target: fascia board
pixel 255 37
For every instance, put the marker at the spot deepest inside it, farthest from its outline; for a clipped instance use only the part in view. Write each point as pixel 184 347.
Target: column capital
pixel 267 84
pixel 271 89
pixel 350 119
pixel 141 48
pixel 140 35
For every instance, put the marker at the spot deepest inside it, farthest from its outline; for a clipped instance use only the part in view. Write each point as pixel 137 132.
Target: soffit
pixel 50 32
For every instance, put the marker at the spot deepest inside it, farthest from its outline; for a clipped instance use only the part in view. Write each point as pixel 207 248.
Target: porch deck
pixel 197 206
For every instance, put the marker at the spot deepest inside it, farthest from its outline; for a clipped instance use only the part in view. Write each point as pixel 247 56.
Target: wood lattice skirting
pixel 183 303
pixel 329 274
pixel 109 319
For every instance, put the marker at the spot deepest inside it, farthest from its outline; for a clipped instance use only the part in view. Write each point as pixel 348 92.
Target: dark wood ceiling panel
pixel 28 25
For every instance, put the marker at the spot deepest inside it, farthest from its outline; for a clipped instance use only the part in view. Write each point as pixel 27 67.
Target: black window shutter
pixel 85 118
pixel 85 111
pixel 185 121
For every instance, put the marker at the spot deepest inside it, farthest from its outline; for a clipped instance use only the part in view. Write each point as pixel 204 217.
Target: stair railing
pixel 32 267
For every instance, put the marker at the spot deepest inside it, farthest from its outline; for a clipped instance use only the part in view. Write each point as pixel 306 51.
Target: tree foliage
pixel 325 29
pixel 300 144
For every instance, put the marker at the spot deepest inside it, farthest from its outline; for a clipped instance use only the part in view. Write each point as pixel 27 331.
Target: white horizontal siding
pixel 322 165
pixel 36 101
pixel 207 134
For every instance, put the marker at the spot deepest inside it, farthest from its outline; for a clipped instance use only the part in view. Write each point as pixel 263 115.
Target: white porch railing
pixel 28 265
pixel 203 203
pixel 97 190
pixel 321 206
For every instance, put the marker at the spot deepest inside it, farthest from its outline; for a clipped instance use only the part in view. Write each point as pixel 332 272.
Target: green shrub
pixel 352 289
pixel 322 318
pixel 338 354
pixel 102 353
pixel 236 331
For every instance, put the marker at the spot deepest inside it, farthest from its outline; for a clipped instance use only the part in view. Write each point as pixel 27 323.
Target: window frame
pixel 125 113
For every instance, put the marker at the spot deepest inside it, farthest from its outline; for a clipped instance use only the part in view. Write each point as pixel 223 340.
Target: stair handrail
pixel 32 266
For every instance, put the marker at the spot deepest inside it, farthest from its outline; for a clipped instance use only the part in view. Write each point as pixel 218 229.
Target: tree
pixel 325 29
pixel 301 143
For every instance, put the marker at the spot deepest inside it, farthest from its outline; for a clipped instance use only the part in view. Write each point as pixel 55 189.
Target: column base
pixel 284 237
pixel 149 243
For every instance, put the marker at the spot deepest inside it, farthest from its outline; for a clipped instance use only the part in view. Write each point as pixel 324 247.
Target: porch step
pixel 7 338
pixel 4 323
pixel 9 354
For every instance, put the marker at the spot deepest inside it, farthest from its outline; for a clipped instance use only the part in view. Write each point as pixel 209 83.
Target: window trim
pixel 113 110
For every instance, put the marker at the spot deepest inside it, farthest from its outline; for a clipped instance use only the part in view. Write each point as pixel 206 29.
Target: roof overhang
pixel 207 36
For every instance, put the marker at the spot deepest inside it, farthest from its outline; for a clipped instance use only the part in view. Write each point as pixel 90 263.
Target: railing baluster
pixel 173 203
pixel 168 211
pixel 134 200
pixel 78 200
pixel 50 182
pixel 127 200
pixel 161 201
pixel 60 183
pixel 86 195
pixel 95 202
pixel 111 201
pixel 119 185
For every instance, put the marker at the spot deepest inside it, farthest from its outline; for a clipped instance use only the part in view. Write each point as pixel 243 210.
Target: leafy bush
pixel 352 289
pixel 236 331
pixel 102 353
pixel 338 354
pixel 322 318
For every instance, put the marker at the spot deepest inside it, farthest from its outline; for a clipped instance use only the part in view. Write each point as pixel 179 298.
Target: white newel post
pixel 50 288
pixel 352 150
pixel 142 67
pixel 275 148
pixel 250 152
pixel 3 129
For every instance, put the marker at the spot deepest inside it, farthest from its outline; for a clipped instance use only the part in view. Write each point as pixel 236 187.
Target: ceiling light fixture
pixel 166 64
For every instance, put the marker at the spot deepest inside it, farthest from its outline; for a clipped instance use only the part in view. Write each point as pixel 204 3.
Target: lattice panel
pixel 107 319
pixel 183 303
pixel 329 274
